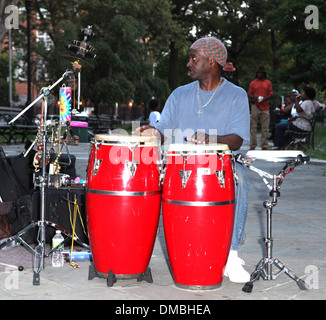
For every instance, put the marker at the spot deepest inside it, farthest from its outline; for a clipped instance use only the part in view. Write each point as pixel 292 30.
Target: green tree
pixel 4 85
pixel 305 49
pixel 128 37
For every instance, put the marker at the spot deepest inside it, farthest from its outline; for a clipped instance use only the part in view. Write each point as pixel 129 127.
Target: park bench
pixel 21 127
pixel 304 140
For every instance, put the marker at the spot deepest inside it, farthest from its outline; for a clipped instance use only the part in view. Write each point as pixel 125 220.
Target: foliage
pixel 4 83
pixel 142 46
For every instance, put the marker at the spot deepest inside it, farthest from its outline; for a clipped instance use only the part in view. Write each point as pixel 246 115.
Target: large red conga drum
pixel 123 200
pixel 198 213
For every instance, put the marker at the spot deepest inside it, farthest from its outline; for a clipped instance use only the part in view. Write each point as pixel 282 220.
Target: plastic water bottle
pixel 57 255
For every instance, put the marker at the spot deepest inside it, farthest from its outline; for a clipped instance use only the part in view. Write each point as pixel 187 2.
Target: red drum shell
pixel 122 211
pixel 198 219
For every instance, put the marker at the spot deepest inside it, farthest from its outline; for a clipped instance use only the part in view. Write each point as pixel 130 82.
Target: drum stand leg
pixel 111 279
pixel 146 276
pixel 264 267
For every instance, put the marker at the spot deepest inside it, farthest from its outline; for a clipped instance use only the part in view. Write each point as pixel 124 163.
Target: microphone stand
pixel 45 91
pixel 41 181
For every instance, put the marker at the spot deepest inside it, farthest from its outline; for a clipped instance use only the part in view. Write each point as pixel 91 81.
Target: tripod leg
pixel 301 284
pixel 17 238
pixel 255 275
pixel 67 234
pixel 36 279
pixel 37 264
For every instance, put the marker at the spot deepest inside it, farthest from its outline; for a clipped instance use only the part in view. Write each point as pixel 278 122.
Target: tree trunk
pixel 173 67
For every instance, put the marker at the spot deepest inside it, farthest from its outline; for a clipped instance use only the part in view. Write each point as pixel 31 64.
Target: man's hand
pixel 232 140
pixel 202 138
pixel 148 131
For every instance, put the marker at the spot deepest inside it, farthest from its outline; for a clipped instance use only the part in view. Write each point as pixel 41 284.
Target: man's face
pixel 198 65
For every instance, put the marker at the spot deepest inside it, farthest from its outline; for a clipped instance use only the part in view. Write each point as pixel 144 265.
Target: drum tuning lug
pixel 96 167
pixel 221 178
pixel 162 176
pixel 132 166
pixel 184 175
pixel 236 178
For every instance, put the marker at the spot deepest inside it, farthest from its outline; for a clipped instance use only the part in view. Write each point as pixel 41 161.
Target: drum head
pixel 124 139
pixel 275 155
pixel 197 148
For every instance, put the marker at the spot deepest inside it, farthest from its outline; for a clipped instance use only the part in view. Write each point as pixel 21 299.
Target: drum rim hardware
pixel 97 162
pixel 185 174
pixel 132 146
pixel 124 193
pixel 199 203
pixel 122 139
pixel 192 147
pixel 132 165
pixel 221 174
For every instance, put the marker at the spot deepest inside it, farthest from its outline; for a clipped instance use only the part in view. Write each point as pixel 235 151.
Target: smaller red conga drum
pixel 123 200
pixel 198 212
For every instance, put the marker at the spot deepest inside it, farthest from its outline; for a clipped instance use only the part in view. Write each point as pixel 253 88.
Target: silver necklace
pixel 199 112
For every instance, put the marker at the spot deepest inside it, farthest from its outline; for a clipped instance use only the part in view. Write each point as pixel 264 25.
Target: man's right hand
pixel 148 131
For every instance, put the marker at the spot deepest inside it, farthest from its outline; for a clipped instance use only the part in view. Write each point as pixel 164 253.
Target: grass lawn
pixel 320 143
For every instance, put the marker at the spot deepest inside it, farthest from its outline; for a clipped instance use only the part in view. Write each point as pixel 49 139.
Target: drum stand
pixel 39 250
pixel 264 267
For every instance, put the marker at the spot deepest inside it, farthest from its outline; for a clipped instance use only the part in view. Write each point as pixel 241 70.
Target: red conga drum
pixel 123 199
pixel 198 212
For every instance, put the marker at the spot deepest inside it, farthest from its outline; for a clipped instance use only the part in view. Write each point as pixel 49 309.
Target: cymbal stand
pixel 264 267
pixel 41 182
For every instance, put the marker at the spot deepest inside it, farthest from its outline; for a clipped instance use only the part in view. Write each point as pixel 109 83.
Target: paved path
pixel 299 232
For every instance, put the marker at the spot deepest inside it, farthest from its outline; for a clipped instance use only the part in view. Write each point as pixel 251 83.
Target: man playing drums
pixel 211 110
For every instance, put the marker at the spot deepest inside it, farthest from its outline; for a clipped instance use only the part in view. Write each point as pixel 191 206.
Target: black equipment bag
pixel 5 227
pixel 16 188
pixel 23 169
pixel 67 163
pixel 57 204
pixel 21 216
pixel 10 188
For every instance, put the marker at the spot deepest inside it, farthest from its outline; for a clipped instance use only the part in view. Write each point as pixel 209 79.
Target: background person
pixel 155 114
pixel 260 90
pixel 229 70
pixel 306 111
